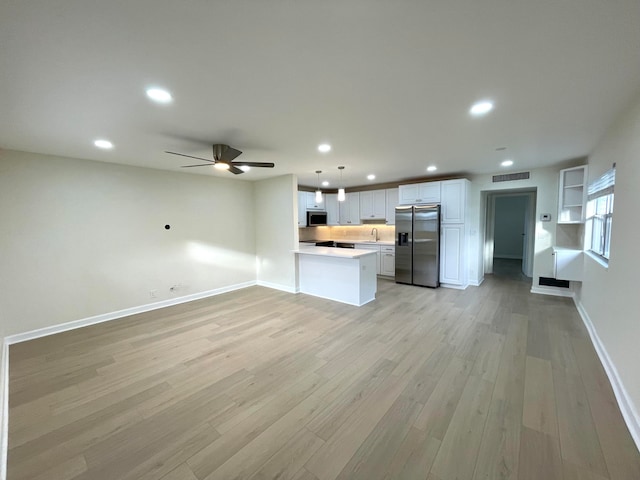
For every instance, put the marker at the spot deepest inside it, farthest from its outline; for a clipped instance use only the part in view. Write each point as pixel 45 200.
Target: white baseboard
pixel 557 292
pixel 627 407
pixel 105 317
pixel 476 283
pixel 4 399
pixel 457 287
pixel 277 286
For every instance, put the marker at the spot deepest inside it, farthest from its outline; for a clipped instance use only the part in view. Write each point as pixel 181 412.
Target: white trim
pixel 105 317
pixel 277 286
pixel 477 283
pixel 457 287
pixel 339 301
pixel 627 407
pixel 4 394
pixel 554 291
pixel 597 258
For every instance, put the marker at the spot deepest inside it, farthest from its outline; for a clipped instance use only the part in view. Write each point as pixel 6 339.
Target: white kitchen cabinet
pixel 391 204
pixel 388 260
pixel 452 255
pixel 373 204
pixel 419 193
pixel 333 211
pixel 350 209
pixel 572 196
pixel 376 248
pixel 311 201
pixel 302 209
pixel 568 264
pixel 453 200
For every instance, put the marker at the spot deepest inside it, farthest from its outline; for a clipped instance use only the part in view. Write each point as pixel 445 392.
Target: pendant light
pixel 341 195
pixel 318 191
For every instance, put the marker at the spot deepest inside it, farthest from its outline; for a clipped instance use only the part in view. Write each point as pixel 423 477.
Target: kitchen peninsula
pixel 341 274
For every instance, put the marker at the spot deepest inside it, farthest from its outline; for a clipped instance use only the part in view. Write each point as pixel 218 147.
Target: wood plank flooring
pixel 487 383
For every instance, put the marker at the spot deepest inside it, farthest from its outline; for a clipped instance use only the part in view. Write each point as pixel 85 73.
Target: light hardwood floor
pixel 487 383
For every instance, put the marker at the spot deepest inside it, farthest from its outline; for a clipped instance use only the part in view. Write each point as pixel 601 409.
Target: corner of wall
pixel 4 407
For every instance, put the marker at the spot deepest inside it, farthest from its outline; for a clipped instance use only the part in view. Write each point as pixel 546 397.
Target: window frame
pixel 599 217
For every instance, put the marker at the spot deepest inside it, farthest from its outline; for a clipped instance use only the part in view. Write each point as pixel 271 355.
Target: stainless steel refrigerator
pixel 418 245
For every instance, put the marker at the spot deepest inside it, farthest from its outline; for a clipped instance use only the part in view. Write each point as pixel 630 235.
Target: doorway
pixel 509 233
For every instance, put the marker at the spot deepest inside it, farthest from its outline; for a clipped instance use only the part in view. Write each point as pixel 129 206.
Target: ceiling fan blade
pixel 235 170
pixel 227 153
pixel 255 164
pixel 199 165
pixel 191 156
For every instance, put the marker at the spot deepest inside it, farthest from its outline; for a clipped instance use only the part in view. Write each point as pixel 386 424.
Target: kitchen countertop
pixel 333 252
pixel 368 242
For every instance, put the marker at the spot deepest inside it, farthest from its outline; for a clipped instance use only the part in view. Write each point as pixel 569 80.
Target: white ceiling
pixel 388 83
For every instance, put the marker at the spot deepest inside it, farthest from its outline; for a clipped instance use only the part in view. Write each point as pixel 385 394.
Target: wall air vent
pixel 507 177
pixel 552 282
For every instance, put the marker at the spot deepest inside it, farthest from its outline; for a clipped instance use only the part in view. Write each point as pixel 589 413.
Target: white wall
pixel 609 296
pixel 81 238
pixel 545 181
pixel 509 226
pixel 276 206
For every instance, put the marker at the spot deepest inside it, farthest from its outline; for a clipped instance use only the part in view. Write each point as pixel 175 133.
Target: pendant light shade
pixel 318 191
pixel 341 195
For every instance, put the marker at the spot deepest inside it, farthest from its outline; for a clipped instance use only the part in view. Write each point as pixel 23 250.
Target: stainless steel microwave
pixel 315 219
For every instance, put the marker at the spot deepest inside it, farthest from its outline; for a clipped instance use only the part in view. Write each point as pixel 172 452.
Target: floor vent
pixel 552 282
pixel 507 177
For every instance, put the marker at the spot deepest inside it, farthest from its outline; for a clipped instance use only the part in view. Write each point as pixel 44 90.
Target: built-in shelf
pixel 572 195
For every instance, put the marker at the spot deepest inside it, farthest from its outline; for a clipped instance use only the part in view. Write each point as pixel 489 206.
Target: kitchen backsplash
pixel 386 233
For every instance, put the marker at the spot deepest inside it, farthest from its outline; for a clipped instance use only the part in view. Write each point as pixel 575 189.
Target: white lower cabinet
pixel 568 264
pixel 370 246
pixel 388 261
pixel 452 254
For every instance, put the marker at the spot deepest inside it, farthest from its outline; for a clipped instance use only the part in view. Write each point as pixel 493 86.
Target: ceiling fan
pixel 223 156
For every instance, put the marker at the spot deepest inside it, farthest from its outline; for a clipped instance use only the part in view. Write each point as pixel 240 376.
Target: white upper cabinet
pixel 350 209
pixel 454 200
pixel 572 196
pixel 302 209
pixel 311 201
pixel 418 193
pixel 392 203
pixel 372 204
pixel 333 211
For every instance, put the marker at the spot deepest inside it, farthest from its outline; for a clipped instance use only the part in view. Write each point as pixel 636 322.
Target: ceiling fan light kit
pixel 223 156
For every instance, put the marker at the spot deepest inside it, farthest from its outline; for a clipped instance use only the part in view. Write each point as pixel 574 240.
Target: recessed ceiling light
pixel 371 176
pixel 325 184
pixel 159 95
pixel 481 108
pixel 507 163
pixel 431 168
pixel 324 147
pixel 221 166
pixel 105 144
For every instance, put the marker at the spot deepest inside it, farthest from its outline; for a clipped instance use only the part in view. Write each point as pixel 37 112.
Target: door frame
pixel 529 227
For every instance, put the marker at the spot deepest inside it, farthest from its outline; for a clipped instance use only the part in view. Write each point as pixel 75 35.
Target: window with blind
pixel 599 215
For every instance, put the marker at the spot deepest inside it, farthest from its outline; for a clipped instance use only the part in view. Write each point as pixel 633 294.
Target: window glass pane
pixel 602 205
pixel 591 208
pixel 607 238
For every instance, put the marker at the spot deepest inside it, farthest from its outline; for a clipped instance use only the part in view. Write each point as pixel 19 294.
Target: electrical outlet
pixel 153 293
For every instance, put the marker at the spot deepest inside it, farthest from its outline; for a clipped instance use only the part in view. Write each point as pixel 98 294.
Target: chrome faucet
pixel 374 229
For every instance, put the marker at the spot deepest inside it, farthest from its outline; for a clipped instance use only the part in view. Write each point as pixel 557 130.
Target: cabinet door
pixel 350 209
pixel 302 209
pixel 454 198
pixel 452 254
pixel 372 204
pixel 388 264
pixel 331 205
pixel 428 192
pixel 311 201
pixel 408 194
pixel 391 204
